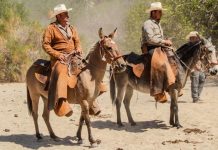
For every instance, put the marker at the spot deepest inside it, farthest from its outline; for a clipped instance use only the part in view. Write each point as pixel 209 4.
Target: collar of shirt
pixel 66 31
pixel 61 27
pixel 154 21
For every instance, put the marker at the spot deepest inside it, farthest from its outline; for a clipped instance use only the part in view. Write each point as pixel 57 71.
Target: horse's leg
pixel 78 134
pixel 35 103
pixel 120 95
pixel 171 112
pixel 172 104
pixel 127 98
pixel 85 114
pixel 45 115
pixel 174 108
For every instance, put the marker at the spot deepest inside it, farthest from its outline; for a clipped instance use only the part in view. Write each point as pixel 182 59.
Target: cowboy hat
pixel 60 8
pixel 155 6
pixel 192 34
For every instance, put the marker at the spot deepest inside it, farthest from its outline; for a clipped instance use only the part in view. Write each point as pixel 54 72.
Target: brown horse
pixel 86 90
pixel 123 84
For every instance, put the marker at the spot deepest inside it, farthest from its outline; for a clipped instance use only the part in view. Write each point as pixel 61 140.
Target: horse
pixel 104 52
pixel 123 84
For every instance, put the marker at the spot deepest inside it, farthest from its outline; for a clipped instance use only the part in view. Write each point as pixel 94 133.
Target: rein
pixel 113 60
pixel 213 63
pixel 69 61
pixel 187 67
pixel 102 57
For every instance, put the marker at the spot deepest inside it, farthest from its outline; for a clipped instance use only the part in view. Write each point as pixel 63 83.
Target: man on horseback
pixel 59 40
pixel 153 45
pixel 197 74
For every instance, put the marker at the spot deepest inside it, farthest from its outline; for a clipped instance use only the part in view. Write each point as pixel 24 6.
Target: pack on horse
pixel 86 89
pixel 123 84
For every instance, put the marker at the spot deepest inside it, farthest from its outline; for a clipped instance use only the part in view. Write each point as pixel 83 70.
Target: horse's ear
pixel 100 33
pixel 113 33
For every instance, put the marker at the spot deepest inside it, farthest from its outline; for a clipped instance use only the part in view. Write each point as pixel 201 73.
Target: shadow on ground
pixel 140 126
pixel 29 141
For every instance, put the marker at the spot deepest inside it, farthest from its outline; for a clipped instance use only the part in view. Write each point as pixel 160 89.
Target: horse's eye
pixel 109 48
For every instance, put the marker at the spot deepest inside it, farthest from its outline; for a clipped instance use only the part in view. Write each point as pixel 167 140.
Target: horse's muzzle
pixel 119 68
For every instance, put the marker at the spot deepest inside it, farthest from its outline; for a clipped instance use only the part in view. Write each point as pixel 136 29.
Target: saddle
pixel 43 70
pixel 137 63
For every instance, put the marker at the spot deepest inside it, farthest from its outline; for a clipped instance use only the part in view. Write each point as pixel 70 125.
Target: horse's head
pixel 110 52
pixel 208 57
pixel 202 50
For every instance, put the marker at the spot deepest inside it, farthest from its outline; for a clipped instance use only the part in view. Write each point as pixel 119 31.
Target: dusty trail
pixel 200 123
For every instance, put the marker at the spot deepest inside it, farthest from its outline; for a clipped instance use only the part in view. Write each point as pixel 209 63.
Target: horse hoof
pixel 98 141
pixel 39 137
pixel 172 123
pixel 80 142
pixel 120 125
pixel 77 140
pixel 179 126
pixel 133 124
pixel 95 143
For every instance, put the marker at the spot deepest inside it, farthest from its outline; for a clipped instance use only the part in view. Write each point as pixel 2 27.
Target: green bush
pixel 181 17
pixel 19 38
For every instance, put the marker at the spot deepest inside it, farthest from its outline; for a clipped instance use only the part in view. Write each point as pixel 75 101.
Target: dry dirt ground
pixel 199 120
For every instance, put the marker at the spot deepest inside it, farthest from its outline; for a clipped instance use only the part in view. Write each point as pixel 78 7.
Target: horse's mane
pixel 185 52
pixel 92 49
pixel 134 58
pixel 188 50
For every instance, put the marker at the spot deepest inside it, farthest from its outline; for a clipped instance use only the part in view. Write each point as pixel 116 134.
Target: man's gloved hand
pixel 79 52
pixel 62 57
pixel 167 42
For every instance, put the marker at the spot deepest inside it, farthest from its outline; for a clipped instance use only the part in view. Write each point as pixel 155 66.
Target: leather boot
pixel 63 108
pixel 161 97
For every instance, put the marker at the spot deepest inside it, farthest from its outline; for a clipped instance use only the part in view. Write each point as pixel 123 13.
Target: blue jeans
pixel 197 84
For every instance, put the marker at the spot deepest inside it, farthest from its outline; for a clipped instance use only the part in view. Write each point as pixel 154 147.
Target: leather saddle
pixel 43 71
pixel 137 63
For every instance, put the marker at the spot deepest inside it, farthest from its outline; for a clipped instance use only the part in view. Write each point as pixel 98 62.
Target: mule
pixel 123 84
pixel 86 90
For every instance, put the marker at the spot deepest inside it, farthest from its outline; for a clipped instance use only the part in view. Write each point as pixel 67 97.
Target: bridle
pixel 205 58
pixel 113 59
pixel 180 60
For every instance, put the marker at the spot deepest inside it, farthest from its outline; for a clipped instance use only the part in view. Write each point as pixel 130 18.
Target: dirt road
pixel 199 120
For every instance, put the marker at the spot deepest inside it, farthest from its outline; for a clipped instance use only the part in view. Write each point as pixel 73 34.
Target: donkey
pixel 123 84
pixel 86 90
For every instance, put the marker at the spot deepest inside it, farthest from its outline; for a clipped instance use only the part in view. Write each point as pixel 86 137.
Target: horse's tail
pixel 112 89
pixel 29 102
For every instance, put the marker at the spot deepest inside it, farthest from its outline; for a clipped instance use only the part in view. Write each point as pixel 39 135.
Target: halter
pixel 113 60
pixel 209 63
pixel 102 55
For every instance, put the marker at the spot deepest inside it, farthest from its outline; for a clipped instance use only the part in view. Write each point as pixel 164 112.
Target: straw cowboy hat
pixel 155 6
pixel 192 34
pixel 60 8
